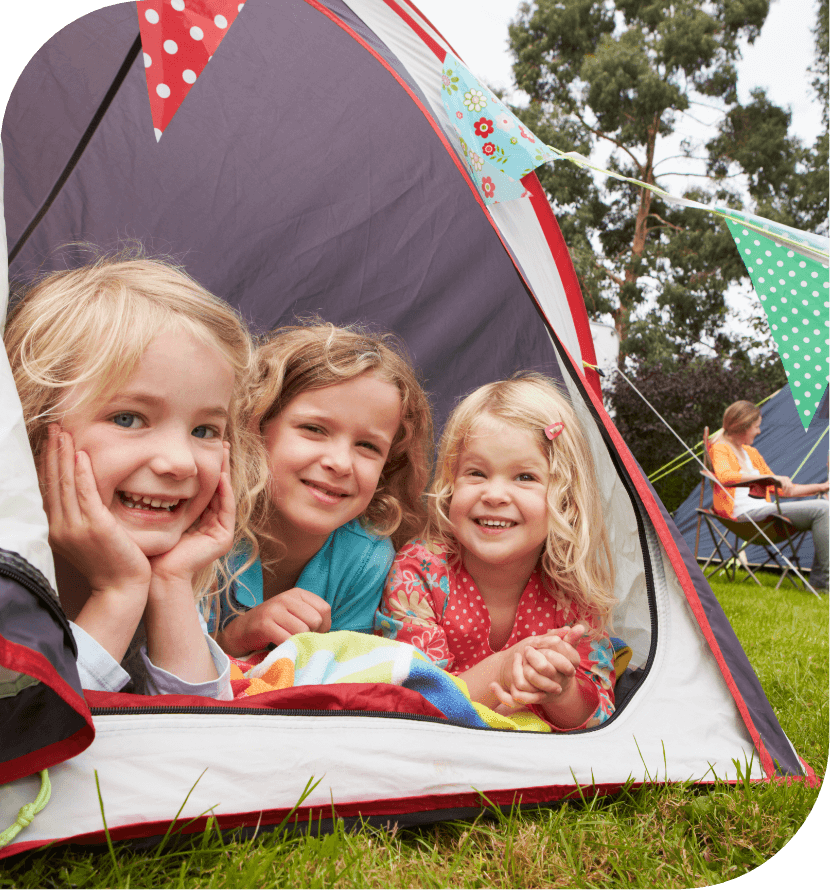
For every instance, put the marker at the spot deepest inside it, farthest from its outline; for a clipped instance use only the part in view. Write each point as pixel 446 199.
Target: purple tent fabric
pixel 318 198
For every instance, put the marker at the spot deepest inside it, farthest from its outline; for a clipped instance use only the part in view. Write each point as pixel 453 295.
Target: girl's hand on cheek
pixel 208 539
pixel 274 621
pixel 81 528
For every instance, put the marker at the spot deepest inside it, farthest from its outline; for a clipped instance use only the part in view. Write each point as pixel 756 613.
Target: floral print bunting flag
pixel 497 148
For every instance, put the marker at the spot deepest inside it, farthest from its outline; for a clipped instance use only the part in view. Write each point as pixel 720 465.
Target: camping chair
pixel 774 529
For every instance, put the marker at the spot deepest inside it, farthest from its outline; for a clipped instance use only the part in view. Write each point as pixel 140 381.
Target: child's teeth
pixel 136 500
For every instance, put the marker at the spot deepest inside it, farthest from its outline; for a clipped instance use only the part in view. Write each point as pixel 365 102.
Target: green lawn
pixel 649 837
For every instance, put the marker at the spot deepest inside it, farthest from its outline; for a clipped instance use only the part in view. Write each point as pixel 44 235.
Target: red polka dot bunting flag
pixel 178 38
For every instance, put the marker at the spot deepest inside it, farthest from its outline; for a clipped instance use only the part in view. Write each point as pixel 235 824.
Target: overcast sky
pixel 777 60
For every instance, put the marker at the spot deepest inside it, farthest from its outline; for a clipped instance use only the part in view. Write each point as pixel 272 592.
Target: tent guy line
pixel 28 811
pixel 681 460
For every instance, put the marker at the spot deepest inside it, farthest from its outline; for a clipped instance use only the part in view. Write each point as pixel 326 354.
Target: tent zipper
pixel 279 712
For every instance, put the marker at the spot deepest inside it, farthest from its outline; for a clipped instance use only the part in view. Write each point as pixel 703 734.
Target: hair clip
pixel 554 430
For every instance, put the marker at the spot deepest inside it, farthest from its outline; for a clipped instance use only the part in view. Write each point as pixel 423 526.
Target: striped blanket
pixel 311 659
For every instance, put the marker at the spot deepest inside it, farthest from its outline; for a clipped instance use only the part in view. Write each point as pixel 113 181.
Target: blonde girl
pixel 346 434
pixel 131 376
pixel 512 585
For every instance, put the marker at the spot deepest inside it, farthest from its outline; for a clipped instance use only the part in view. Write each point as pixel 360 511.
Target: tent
pixel 786 447
pixel 313 168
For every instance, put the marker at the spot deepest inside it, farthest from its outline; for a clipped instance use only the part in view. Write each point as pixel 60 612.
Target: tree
pixel 621 74
pixel 788 181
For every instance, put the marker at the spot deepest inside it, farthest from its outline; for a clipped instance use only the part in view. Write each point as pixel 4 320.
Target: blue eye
pixel 526 477
pixel 205 432
pixel 127 420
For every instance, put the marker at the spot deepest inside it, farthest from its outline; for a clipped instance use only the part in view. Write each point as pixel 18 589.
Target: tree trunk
pixel 632 274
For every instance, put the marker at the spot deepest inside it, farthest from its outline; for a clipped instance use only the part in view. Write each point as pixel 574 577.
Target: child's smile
pixel 325 493
pixel 155 445
pixel 495 523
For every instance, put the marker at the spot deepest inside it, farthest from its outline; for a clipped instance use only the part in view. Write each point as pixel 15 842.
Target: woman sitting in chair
pixel 735 461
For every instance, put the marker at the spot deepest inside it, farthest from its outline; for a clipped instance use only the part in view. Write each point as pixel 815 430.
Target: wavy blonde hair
pixel 576 559
pixel 312 356
pixel 90 326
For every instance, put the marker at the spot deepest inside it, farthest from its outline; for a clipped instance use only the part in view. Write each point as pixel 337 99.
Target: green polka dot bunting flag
pixel 792 284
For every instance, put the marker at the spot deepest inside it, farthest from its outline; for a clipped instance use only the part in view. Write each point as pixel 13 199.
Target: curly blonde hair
pixel 312 356
pixel 89 327
pixel 576 559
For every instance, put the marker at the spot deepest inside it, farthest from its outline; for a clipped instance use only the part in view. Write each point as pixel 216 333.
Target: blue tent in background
pixel 784 445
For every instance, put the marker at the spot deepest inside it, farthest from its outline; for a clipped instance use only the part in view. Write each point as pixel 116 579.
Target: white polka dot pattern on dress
pixel 799 278
pixel 178 39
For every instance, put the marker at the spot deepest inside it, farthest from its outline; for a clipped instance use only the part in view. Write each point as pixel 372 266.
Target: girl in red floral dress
pixel 512 585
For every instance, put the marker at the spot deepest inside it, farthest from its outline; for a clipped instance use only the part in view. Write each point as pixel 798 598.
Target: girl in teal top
pixel 345 446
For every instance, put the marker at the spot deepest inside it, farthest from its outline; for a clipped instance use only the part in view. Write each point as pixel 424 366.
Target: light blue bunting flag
pixel 497 148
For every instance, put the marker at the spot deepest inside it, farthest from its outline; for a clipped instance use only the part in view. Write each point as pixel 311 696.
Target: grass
pixel 647 837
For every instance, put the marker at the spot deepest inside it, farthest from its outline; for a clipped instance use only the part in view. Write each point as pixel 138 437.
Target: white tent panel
pixel 360 759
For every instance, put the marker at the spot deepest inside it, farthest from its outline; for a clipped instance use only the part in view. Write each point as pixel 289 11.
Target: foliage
pixel 622 74
pixel 787 180
pixel 819 67
pixel 691 392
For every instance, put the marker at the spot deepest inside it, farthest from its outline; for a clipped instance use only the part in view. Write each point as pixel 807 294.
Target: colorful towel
pixel 344 656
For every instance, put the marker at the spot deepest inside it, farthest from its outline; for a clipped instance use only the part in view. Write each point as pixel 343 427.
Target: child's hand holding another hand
pixel 541 670
pixel 292 612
